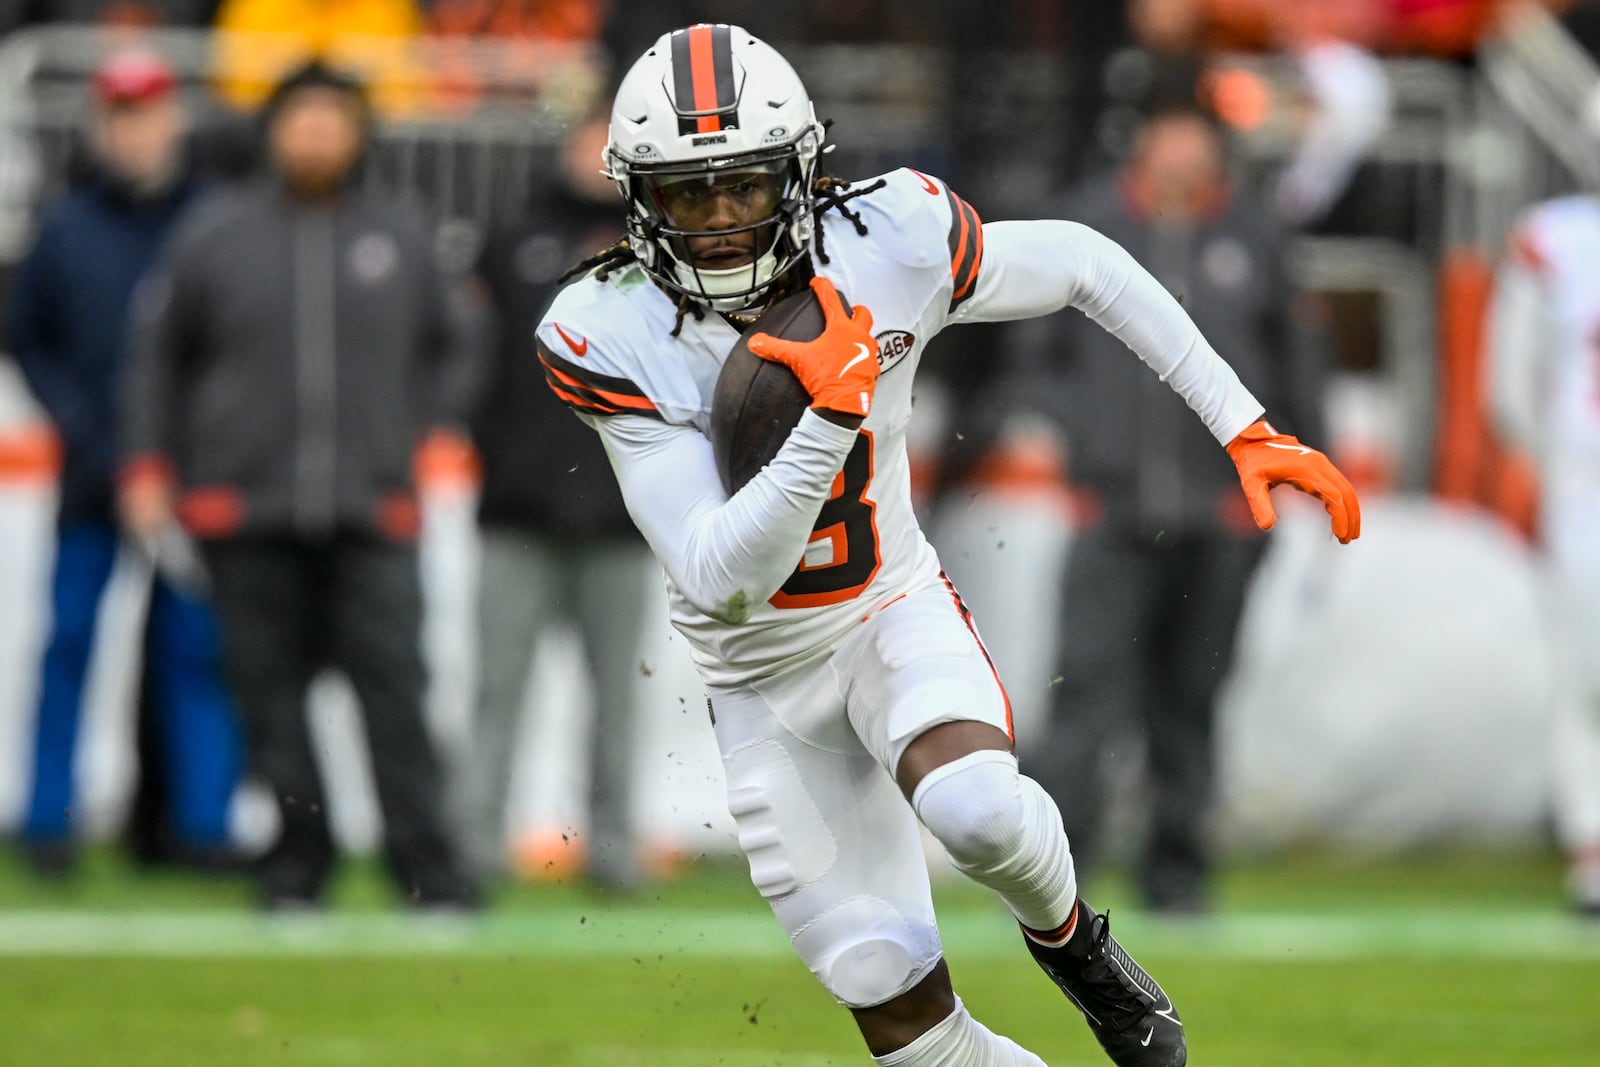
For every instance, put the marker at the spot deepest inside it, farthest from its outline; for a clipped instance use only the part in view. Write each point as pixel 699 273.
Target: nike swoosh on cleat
pixel 862 352
pixel 1302 449
pixel 1147 1037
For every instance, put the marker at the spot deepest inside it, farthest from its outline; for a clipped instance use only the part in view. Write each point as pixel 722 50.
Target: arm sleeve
pixel 726 555
pixel 1518 333
pixel 1353 103
pixel 1034 268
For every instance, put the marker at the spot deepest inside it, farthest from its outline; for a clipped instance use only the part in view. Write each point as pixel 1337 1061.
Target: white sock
pixel 1002 830
pixel 961 1041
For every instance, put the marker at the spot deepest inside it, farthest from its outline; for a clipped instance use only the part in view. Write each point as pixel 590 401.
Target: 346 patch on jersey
pixel 893 346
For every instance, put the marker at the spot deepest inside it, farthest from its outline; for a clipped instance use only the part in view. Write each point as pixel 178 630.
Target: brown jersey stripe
pixel 966 248
pixel 702 79
pixel 593 391
pixel 579 402
pixel 965 283
pixel 621 400
pixel 614 404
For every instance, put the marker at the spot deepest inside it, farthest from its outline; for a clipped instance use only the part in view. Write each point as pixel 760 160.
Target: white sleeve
pixel 727 556
pixel 1353 102
pixel 1034 268
pixel 1518 335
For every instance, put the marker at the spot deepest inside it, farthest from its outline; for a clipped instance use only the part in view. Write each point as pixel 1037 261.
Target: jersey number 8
pixel 847 524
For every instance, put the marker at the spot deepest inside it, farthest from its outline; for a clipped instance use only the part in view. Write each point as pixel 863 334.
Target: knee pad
pixel 838 856
pixel 1002 830
pixel 865 952
pixel 975 807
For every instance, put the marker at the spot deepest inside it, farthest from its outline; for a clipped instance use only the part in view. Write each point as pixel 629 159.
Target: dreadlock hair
pixel 830 194
pixel 827 194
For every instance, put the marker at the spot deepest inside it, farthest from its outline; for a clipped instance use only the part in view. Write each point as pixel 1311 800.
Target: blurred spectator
pixel 68 323
pixel 1544 390
pixel 260 40
pixel 558 545
pixel 1156 578
pixel 297 349
pixel 1129 58
pixel 1349 108
pixel 1132 58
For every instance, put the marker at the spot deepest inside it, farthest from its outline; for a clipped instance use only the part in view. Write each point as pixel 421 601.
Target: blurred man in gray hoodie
pixel 1157 576
pixel 297 349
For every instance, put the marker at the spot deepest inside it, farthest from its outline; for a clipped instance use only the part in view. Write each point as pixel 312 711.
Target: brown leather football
pixel 756 402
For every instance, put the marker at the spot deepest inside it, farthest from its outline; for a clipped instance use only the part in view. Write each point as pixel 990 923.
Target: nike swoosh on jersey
pixel 1147 1037
pixel 1302 449
pixel 927 183
pixel 579 347
pixel 862 352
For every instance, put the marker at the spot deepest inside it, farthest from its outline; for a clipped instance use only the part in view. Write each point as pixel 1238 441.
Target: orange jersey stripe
pixel 621 400
pixel 966 617
pixel 963 229
pixel 966 248
pixel 580 402
pixel 970 219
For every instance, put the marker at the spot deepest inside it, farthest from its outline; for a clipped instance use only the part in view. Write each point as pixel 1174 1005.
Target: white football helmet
pixel 707 106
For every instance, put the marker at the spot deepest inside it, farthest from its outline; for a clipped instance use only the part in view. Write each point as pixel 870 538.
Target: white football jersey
pixel 609 352
pixel 919 260
pixel 1547 334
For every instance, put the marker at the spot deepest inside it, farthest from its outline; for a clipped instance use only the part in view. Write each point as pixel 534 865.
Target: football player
pixel 1544 390
pixel 850 693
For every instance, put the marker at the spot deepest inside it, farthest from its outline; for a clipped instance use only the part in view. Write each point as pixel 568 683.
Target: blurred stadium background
pixel 1392 892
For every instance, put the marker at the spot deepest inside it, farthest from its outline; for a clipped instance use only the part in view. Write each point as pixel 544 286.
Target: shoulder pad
pixel 586 354
pixel 926 224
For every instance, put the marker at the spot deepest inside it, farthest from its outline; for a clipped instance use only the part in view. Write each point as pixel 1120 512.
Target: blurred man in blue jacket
pixel 68 326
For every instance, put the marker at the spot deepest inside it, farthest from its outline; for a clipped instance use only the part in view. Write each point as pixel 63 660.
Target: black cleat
pixel 1129 1014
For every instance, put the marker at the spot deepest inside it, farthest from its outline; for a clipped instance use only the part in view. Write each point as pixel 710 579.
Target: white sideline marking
pixel 625 933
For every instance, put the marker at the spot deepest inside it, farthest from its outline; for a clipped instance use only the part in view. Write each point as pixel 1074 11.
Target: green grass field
pixel 1316 961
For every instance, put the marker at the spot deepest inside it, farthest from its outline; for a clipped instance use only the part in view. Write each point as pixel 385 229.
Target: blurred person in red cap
pixel 68 323
pixel 299 345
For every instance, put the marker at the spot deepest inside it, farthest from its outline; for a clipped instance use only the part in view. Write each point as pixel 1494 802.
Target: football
pixel 757 402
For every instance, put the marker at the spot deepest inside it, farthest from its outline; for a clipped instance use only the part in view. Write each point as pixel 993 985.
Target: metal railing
pixel 472 129
pixel 1548 90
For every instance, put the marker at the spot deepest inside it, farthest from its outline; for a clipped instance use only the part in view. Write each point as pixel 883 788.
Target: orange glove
pixel 1266 458
pixel 840 368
